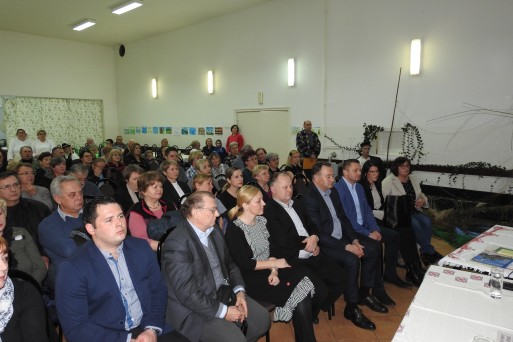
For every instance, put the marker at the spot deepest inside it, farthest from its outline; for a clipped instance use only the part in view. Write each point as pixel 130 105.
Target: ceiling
pixel 53 18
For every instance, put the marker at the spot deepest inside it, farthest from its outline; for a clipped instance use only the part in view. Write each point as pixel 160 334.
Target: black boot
pixel 414 274
pixel 302 321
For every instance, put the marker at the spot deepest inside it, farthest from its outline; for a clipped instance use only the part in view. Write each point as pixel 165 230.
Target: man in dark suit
pixel 111 288
pixel 340 242
pixel 196 264
pixel 360 214
pixel 292 239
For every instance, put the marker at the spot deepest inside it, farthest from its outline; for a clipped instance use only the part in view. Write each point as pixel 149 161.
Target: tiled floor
pixel 341 330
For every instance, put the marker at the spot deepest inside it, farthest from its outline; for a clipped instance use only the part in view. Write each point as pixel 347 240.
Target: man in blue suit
pixel 111 288
pixel 359 213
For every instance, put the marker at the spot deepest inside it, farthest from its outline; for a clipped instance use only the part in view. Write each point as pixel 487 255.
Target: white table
pixel 493 238
pixel 455 306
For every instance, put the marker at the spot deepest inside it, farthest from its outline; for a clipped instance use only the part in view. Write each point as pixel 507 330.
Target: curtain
pixel 69 121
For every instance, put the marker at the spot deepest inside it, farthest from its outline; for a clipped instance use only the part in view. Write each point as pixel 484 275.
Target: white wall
pixel 347 70
pixel 45 67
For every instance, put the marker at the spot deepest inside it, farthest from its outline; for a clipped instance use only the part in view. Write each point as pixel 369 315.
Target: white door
pixel 267 128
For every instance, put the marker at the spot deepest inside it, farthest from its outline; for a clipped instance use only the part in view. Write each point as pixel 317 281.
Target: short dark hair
pixel 348 162
pixel 238 130
pixel 274 177
pixel 394 167
pixel 6 174
pixel 194 200
pixel 110 140
pixel 131 168
pixel 365 143
pixel 90 213
pixel 57 160
pixel 318 166
pixel 82 152
pixel 147 179
pixel 170 149
pixel 248 154
pixel 43 155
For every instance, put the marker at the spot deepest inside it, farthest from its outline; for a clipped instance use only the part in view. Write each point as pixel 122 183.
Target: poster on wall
pixel 144 130
pixel 162 130
pixel 219 130
pixel 185 130
pixel 132 130
pixel 155 130
pixel 138 130
pixel 176 131
pixel 210 130
pixel 126 131
pixel 169 130
pixel 201 130
pixel 192 130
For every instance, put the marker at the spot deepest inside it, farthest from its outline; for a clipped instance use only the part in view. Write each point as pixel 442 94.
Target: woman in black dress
pixel 267 278
pixel 234 181
pixel 174 190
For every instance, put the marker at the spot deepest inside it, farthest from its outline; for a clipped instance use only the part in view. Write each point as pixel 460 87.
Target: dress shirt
pixel 352 190
pixel 301 230
pixel 63 215
pixel 337 225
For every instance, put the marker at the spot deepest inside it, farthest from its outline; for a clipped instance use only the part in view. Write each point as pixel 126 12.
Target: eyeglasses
pixel 377 171
pixel 9 186
pixel 26 173
pixel 212 210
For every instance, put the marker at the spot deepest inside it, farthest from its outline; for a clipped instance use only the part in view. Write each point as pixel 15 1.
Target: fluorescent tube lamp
pixel 154 92
pixel 210 82
pixel 83 24
pixel 126 6
pixel 415 57
pixel 291 72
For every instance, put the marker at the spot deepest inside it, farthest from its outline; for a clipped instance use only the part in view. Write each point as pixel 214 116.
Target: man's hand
pixel 311 243
pixel 355 250
pixel 147 335
pixel 241 303
pixel 375 235
pixel 233 314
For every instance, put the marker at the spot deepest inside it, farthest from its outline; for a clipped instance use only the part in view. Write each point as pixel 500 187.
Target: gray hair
pixel 30 148
pixel 79 168
pixel 193 201
pixel 270 156
pixel 55 186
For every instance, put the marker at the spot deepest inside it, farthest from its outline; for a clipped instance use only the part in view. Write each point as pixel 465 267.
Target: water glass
pixel 496 277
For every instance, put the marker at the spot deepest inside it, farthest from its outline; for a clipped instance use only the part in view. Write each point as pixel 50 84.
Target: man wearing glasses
pixel 196 264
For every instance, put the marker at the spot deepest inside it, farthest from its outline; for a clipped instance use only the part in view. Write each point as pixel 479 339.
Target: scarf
pixel 6 309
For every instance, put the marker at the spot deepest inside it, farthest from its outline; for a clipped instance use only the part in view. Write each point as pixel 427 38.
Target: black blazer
pixel 170 195
pixel 319 216
pixel 368 194
pixel 284 240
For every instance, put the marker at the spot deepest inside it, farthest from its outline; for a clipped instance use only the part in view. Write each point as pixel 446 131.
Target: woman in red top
pixel 236 136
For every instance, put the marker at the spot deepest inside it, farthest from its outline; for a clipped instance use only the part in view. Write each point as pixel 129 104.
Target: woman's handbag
pixel 398 211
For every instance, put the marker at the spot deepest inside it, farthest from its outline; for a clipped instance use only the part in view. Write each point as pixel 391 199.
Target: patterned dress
pixel 249 243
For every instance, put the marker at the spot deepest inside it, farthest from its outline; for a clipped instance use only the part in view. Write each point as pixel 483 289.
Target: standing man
pixel 291 238
pixel 359 256
pixel 360 214
pixel 112 288
pixel 197 264
pixel 309 145
pixel 365 148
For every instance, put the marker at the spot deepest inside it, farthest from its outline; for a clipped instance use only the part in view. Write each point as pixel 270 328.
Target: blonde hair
pixel 198 164
pixel 114 152
pixel 195 154
pixel 229 174
pixel 199 179
pixel 259 168
pixel 167 163
pixel 291 153
pixel 3 206
pixel 245 195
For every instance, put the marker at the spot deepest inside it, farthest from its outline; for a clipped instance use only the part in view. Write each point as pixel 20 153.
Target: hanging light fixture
pixel 415 57
pixel 291 72
pixel 210 82
pixel 154 90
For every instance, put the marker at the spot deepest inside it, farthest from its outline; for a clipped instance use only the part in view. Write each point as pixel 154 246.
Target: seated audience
pixel 261 153
pixel 24 252
pixel 238 162
pixel 194 156
pixel 16 144
pixel 114 160
pixel 128 194
pixel 407 244
pixel 120 145
pixel 357 254
pixel 293 166
pixel 135 156
pixel 195 144
pixel 80 172
pixel 360 215
pixel 399 183
pixel 173 189
pixel 149 207
pixel 57 167
pixel 217 167
pixel 26 177
pixel 55 230
pixel 151 163
pixel 247 239
pixel 233 153
pixel 273 161
pixel 206 293
pixel 86 158
pixel 203 182
pixel 172 154
pixel 27 156
pixel 57 151
pixel 365 148
pixel 208 148
pixel 261 177
pixel 234 182
pixel 250 160
pixel 96 175
pixel 112 288
pixel 219 149
pixel 42 143
pixel 23 309
pixel 43 171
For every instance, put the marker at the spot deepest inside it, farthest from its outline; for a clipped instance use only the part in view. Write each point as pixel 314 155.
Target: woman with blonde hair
pixel 293 166
pixel 173 189
pixel 193 157
pixel 262 176
pixel 267 278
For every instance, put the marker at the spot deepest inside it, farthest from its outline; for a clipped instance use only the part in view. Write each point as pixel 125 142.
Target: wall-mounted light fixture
pixel 210 82
pixel 154 89
pixel 291 72
pixel 83 24
pixel 126 6
pixel 415 57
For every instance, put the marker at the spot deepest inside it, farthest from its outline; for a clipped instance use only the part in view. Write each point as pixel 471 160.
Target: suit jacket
pixel 189 278
pixel 393 186
pixel 319 217
pixel 285 242
pixel 170 195
pixel 370 198
pixel 369 222
pixel 88 300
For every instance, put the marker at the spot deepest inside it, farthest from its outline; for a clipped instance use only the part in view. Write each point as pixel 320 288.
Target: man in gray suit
pixel 196 264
